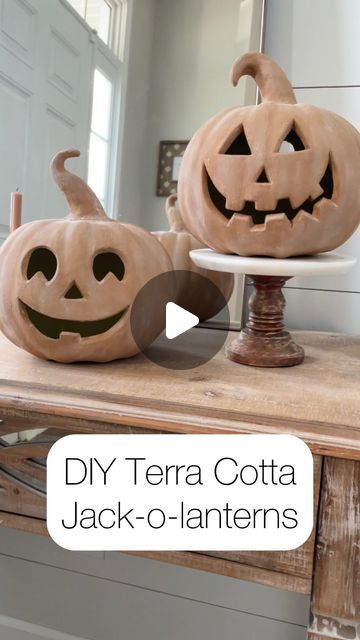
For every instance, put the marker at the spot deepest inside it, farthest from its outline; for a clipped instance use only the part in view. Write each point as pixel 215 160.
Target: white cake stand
pixel 264 342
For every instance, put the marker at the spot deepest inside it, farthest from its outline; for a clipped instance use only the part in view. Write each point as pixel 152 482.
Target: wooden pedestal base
pixel 264 342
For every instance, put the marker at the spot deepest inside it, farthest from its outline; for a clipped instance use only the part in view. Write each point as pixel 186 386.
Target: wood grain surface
pixel 23 492
pixel 232 569
pixel 336 586
pixel 319 401
pixel 297 562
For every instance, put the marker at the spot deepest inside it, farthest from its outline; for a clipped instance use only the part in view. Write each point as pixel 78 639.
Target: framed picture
pixel 170 156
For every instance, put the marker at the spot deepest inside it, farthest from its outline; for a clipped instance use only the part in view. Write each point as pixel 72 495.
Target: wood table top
pixel 318 401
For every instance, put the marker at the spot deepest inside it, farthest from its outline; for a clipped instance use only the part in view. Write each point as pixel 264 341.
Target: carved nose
pixel 263 177
pixel 73 292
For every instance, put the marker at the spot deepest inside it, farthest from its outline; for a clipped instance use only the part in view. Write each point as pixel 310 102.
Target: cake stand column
pixel 264 342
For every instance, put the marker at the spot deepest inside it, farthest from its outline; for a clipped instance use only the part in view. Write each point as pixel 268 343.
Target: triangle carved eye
pixel 240 146
pixel 292 142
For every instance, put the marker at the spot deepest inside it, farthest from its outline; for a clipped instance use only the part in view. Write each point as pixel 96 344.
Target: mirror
pixel 180 56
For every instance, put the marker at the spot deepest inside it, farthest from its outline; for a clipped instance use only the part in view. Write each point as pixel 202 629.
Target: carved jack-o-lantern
pixel 179 242
pixel 239 193
pixel 67 286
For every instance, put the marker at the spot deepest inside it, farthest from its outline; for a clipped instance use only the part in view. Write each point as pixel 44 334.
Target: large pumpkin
pixel 239 193
pixel 192 292
pixel 67 286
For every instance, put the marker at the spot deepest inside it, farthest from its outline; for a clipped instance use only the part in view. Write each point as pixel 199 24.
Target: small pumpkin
pixel 239 193
pixel 179 242
pixel 68 285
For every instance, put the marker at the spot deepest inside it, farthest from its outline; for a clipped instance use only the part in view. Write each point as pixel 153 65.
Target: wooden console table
pixel 318 401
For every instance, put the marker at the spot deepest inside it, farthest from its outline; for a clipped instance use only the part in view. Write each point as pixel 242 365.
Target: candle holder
pixel 264 341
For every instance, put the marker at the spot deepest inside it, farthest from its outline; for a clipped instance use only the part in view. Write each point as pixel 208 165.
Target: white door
pixel 45 87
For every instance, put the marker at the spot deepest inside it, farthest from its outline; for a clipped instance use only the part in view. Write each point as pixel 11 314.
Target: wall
pixel 139 55
pixel 108 596
pixel 195 43
pixel 318 46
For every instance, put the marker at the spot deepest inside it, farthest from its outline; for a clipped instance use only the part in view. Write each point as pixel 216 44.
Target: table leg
pixel 264 342
pixel 335 605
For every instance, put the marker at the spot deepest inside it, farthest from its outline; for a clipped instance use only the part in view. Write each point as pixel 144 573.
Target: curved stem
pixel 273 84
pixel 82 201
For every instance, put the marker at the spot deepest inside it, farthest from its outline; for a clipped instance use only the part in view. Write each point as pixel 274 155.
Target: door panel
pixel 46 59
pixel 15 111
pixel 18 29
pixel 60 133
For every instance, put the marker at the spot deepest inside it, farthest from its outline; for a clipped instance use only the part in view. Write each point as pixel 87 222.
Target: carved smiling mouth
pixel 54 327
pixel 283 205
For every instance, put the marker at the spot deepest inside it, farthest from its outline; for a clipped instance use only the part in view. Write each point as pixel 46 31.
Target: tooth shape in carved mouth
pixel 54 327
pixel 282 206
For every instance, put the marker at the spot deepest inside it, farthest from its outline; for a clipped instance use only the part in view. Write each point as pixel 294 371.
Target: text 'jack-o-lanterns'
pixel 67 286
pixel 239 193
pixel 191 291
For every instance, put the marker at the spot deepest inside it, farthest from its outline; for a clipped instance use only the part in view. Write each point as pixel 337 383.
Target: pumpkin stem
pixel 82 201
pixel 271 80
pixel 173 214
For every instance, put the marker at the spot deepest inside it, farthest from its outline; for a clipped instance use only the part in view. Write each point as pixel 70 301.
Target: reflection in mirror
pixel 178 78
pixel 179 69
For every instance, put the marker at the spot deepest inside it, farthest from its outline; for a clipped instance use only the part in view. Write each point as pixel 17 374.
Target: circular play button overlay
pixel 181 297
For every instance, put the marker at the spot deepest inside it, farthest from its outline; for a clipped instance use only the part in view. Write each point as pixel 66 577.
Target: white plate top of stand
pixel 322 264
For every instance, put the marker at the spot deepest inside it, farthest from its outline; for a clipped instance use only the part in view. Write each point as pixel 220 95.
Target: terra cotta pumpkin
pixel 239 194
pixel 178 242
pixel 67 286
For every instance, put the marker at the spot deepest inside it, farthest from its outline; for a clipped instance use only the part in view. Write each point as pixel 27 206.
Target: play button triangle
pixel 178 320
